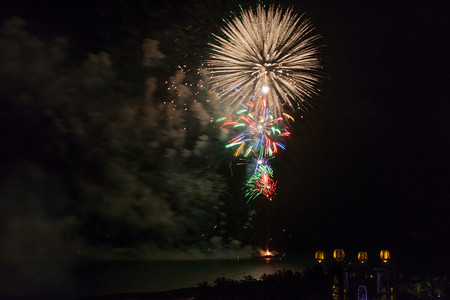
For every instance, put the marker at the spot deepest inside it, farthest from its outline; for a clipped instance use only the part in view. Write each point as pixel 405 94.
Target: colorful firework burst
pixel 261 182
pixel 259 131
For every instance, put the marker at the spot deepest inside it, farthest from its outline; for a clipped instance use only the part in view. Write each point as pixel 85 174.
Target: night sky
pixel 375 170
pixel 366 168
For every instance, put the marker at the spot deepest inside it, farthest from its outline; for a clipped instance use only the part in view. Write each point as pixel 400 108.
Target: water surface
pixel 115 277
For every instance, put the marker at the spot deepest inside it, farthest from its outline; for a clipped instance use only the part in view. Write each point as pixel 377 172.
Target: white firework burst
pixel 266 53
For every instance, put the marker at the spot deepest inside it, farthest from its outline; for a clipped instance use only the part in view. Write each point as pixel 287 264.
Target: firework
pixel 259 131
pixel 270 54
pixel 261 182
pixel 263 64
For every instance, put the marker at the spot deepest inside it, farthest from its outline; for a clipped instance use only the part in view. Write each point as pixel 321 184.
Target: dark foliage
pixel 284 284
pixel 425 287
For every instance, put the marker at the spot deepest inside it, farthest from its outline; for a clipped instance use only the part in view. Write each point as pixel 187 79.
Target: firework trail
pixel 266 53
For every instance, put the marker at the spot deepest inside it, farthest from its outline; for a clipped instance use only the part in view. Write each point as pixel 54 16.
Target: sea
pixel 93 278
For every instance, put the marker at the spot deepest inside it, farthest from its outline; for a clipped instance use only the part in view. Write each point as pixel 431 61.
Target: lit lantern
pixel 385 256
pixel 319 256
pixel 338 254
pixel 362 256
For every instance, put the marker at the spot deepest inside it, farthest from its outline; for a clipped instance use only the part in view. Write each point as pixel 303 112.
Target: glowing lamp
pixel 339 254
pixel 265 89
pixel 319 256
pixel 362 256
pixel 385 256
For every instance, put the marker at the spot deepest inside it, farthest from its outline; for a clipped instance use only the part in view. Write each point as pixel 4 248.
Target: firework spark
pixel 269 54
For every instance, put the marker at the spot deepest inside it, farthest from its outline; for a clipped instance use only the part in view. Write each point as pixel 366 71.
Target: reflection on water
pixel 122 277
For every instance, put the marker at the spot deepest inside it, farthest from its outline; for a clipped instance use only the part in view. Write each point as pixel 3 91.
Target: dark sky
pixel 369 167
pixel 376 169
